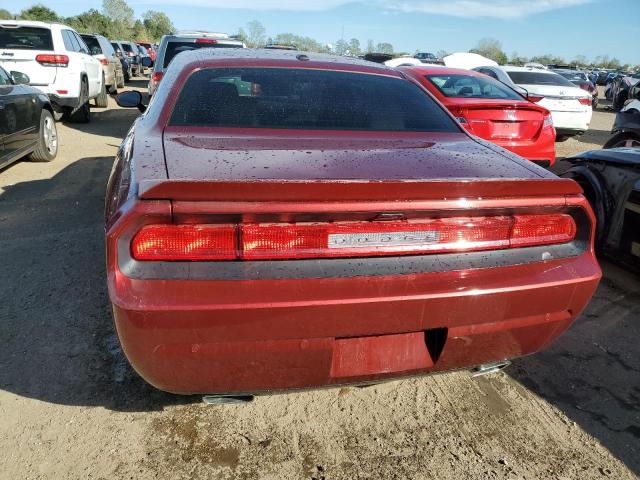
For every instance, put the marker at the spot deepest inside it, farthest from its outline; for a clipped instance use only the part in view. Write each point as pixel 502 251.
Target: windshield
pixel 174 48
pixel 539 78
pixel 467 86
pixel 306 99
pixel 26 38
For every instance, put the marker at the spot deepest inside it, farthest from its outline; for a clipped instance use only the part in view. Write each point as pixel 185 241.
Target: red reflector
pixel 206 40
pixel 62 92
pixel 53 60
pixel 534 98
pixel 585 101
pixel 185 242
pixel 104 61
pixel 156 76
pixel 349 239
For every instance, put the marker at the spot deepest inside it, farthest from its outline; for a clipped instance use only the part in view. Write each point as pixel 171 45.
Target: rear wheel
pixel 102 100
pixel 625 139
pixel 47 147
pixel 83 113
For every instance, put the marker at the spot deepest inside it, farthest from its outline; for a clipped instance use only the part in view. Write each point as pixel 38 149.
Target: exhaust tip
pixel 489 368
pixel 227 399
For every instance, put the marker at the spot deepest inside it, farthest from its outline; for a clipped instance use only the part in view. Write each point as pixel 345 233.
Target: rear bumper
pixel 571 123
pixel 250 336
pixel 542 150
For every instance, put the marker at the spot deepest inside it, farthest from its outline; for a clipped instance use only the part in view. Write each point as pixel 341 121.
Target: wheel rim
pixel 627 142
pixel 50 136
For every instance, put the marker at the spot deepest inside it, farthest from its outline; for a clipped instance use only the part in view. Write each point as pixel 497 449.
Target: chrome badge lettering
pixel 378 239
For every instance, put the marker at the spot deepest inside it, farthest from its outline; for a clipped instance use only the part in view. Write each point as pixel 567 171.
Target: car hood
pixel 216 156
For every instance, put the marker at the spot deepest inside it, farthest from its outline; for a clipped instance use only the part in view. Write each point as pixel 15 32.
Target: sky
pixel 529 27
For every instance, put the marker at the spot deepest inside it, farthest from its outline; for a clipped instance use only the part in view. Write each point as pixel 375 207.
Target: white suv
pixel 57 61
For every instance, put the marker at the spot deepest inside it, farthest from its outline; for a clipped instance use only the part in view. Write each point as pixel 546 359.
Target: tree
pixel 517 60
pixel 5 14
pixel 256 34
pixel 39 12
pixel 354 47
pixel 370 46
pixel 341 47
pixel 122 15
pixel 491 48
pixel 580 61
pixel 139 32
pixel 92 21
pixel 157 24
pixel 242 35
pixel 384 48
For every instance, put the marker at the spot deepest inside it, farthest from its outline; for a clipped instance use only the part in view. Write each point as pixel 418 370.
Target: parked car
pixel 280 220
pixel 580 79
pixel 144 54
pixel 611 182
pixel 151 51
pixel 130 51
pixel 619 91
pixel 491 110
pixel 569 105
pixel 626 127
pixel 56 60
pixel 125 61
pixel 27 127
pixel 602 77
pixel 102 49
pixel 499 74
pixel 172 45
pixel 427 57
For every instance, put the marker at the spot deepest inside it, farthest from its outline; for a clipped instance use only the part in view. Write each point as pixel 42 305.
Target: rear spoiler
pixel 352 190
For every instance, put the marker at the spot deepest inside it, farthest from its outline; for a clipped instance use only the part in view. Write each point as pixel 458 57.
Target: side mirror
pixel 131 99
pixel 20 78
pixel 147 62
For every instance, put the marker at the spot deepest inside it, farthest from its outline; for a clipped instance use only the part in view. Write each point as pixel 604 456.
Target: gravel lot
pixel 72 408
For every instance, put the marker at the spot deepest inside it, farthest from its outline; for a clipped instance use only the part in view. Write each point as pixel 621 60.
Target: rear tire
pixel 624 139
pixel 102 100
pixel 47 147
pixel 83 113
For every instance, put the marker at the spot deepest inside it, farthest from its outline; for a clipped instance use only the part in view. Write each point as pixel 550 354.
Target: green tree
pixel 517 60
pixel 157 24
pixel 384 47
pixel 5 14
pixel 92 21
pixel 122 16
pixel 354 47
pixel 370 46
pixel 256 34
pixel 39 12
pixel 139 32
pixel 341 47
pixel 491 48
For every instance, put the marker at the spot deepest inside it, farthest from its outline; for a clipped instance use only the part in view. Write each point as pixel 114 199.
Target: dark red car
pixel 493 111
pixel 278 220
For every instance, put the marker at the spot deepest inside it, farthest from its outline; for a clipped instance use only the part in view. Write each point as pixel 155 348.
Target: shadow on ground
pixel 57 336
pixel 592 373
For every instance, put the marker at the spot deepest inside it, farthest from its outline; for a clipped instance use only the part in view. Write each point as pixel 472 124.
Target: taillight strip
pixel 348 239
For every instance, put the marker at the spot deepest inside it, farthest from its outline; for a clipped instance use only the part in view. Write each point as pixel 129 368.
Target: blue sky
pixel 529 27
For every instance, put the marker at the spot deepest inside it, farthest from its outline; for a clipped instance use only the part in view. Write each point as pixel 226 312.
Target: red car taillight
pixel 585 101
pixel 104 61
pixel 49 60
pixel 156 77
pixel 348 239
pixel 535 98
pixel 548 121
pixel 206 40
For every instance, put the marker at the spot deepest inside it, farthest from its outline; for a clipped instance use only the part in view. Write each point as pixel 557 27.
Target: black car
pixel 26 121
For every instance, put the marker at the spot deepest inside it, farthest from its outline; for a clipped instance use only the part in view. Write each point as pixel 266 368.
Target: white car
pixel 57 61
pixel 569 105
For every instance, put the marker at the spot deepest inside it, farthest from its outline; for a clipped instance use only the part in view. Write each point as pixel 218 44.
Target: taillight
pixel 459 114
pixel 49 60
pixel 271 241
pixel 206 40
pixel 585 101
pixel 185 242
pixel 156 77
pixel 547 122
pixel 535 98
pixel 104 61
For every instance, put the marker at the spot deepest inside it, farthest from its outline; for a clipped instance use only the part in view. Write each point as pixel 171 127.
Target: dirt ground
pixel 71 407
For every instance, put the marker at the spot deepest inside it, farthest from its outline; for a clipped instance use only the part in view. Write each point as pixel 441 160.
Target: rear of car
pixel 172 45
pixel 56 60
pixel 581 80
pixel 278 221
pixel 569 105
pixel 492 111
pixel 102 50
pixel 131 52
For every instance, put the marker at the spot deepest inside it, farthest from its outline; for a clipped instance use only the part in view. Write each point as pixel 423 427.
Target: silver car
pixel 101 49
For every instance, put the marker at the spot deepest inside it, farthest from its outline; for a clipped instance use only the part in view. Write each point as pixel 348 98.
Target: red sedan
pixel 493 111
pixel 278 220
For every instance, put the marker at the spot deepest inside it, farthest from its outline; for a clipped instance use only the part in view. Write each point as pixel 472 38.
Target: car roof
pixel 303 59
pixel 32 23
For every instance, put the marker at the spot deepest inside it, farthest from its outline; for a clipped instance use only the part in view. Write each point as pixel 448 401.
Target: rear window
pixel 467 86
pixel 174 48
pixel 26 38
pixel 573 76
pixel 127 48
pixel 93 44
pixel 539 78
pixel 306 99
